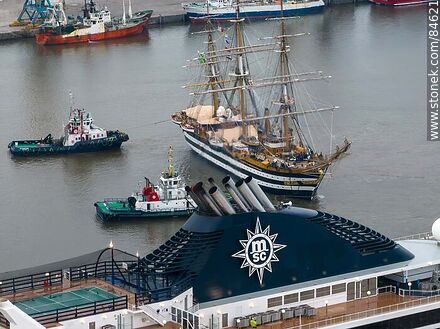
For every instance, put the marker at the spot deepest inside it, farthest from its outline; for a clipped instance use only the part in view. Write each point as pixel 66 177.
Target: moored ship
pixel 399 2
pixel 291 268
pixel 96 25
pixel 80 135
pixel 267 137
pixel 225 9
pixel 167 199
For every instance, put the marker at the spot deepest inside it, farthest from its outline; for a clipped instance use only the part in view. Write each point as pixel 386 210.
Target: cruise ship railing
pixel 386 289
pixel 4 323
pixel 160 294
pixel 419 236
pixel 365 314
pixel 30 282
pixel 418 293
pixel 92 308
pixel 98 270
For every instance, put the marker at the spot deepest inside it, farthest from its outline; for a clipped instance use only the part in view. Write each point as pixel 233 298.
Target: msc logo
pixel 259 250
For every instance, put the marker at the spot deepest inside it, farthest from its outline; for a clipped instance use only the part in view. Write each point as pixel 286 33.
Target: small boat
pixel 225 9
pixel 80 135
pixel 94 26
pixel 167 199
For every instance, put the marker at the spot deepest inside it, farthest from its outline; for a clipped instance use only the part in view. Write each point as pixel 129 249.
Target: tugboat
pixel 94 26
pixel 168 199
pixel 80 135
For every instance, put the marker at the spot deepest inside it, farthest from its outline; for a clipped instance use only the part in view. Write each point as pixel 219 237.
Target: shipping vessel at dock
pixel 398 3
pixel 234 125
pixel 96 25
pixel 80 135
pixel 218 10
pixel 235 260
pixel 167 199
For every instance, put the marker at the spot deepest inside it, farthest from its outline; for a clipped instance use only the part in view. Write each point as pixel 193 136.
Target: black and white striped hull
pixel 296 185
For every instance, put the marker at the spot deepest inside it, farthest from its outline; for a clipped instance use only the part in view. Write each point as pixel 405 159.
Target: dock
pixel 164 12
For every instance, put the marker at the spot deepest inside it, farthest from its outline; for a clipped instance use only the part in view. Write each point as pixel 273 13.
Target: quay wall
pixel 166 12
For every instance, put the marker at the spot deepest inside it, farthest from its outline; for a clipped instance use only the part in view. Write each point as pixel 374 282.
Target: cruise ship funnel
pixel 259 194
pixel 236 198
pixel 229 181
pixel 200 191
pixel 249 195
pixel 221 200
pixel 201 203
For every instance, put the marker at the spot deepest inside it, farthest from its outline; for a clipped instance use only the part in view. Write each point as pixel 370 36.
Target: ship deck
pixel 333 314
pixel 349 311
pixel 69 286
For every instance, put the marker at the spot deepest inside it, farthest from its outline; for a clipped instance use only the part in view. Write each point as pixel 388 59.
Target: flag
pixel 202 59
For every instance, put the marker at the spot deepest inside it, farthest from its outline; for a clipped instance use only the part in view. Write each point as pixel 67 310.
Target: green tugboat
pixel 80 135
pixel 167 199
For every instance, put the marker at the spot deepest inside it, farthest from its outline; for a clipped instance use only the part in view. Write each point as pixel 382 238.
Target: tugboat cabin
pixel 81 128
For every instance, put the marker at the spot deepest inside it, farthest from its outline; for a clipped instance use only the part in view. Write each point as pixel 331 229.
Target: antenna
pixel 71 100
pixel 170 162
pixel 130 13
pixel 124 21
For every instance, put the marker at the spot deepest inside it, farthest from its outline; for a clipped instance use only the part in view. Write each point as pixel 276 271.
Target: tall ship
pixel 253 9
pixel 265 135
pixel 80 135
pixel 166 199
pixel 95 25
pixel 232 265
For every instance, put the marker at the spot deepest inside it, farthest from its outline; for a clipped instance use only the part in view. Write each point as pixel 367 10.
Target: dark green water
pixel 376 55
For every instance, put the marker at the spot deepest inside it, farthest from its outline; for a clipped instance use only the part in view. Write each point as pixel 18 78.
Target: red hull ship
pixel 95 26
pixel 399 2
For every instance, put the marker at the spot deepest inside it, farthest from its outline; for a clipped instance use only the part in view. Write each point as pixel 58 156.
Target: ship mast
pixel 170 163
pixel 212 71
pixel 240 72
pixel 285 101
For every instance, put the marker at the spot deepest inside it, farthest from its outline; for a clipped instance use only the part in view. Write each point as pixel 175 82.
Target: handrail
pixel 419 293
pixel 92 308
pixel 160 318
pixel 383 290
pixel 367 313
pixel 194 308
pixel 30 282
pixel 4 323
pixel 418 236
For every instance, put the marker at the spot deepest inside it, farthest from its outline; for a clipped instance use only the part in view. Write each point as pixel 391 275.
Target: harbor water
pixel 376 56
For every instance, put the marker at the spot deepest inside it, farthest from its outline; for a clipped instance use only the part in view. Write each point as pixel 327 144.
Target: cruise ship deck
pixel 284 268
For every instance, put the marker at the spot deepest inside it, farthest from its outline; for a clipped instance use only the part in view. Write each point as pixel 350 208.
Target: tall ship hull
pixel 398 2
pixel 300 185
pixel 54 39
pixel 220 11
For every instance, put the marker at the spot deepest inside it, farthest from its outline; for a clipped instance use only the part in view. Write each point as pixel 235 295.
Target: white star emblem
pixel 259 250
